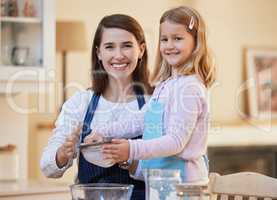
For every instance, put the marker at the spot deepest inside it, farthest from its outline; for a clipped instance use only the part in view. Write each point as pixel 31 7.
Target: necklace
pixel 116 112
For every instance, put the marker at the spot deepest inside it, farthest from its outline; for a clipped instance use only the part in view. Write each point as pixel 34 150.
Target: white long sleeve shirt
pixel 72 113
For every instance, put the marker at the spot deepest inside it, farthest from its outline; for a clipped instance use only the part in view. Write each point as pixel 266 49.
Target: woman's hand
pixel 68 149
pixel 118 150
pixel 93 138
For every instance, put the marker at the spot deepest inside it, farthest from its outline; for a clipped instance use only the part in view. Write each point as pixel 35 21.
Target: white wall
pixel 234 25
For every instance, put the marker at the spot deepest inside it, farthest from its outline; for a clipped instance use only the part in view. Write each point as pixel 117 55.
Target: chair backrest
pixel 241 186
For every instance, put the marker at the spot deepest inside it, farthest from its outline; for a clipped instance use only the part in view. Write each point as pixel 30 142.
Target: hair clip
pixel 191 23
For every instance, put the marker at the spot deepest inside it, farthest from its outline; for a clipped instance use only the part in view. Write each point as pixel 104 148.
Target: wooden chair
pixel 242 186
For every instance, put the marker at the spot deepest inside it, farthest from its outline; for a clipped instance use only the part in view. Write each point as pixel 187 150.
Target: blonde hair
pixel 201 62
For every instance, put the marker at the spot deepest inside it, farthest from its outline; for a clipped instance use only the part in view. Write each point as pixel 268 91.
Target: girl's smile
pixel 176 45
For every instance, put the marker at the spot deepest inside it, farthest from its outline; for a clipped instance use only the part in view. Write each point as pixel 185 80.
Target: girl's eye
pixel 178 38
pixel 163 39
pixel 127 45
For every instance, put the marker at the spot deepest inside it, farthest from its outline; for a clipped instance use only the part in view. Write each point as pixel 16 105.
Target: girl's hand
pixel 68 149
pixel 93 137
pixel 118 150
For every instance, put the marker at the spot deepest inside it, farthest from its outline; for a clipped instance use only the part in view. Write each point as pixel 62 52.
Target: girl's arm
pixel 181 114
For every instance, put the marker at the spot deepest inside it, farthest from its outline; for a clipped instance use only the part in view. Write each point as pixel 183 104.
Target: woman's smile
pixel 119 66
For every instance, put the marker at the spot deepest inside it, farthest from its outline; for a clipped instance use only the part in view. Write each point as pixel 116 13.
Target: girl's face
pixel 119 52
pixel 176 44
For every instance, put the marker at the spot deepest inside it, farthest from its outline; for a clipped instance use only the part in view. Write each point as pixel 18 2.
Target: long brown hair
pixel 201 62
pixel 140 75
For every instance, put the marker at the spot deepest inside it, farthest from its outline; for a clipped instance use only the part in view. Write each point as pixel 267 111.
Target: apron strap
pixel 141 101
pixel 92 108
pixel 89 173
pixel 89 116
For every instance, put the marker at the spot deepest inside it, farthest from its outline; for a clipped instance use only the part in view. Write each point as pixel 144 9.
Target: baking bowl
pixel 101 191
pixel 92 152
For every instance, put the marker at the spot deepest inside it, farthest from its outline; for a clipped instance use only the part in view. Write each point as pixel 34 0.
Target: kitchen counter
pixel 23 190
pixel 243 135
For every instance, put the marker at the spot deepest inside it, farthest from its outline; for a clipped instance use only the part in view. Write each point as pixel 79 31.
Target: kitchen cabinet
pixel 41 136
pixel 27 44
pixel 251 147
pixel 259 159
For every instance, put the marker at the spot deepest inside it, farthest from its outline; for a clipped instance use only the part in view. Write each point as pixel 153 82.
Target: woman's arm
pixel 56 157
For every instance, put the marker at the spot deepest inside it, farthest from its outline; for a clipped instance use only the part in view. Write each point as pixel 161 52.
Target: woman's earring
pixel 99 62
pixel 163 65
pixel 139 62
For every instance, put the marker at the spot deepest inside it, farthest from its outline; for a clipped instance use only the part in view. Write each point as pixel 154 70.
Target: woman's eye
pixel 163 39
pixel 109 47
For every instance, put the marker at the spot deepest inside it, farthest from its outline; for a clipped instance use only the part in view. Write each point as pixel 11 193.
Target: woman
pixel 119 83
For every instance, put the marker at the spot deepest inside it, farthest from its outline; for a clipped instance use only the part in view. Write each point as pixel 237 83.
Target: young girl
pixel 119 69
pixel 175 121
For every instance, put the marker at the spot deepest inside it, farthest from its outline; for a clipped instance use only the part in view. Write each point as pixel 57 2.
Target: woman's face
pixel 119 52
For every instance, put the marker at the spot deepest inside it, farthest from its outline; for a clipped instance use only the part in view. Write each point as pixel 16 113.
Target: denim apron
pixel 90 173
pixel 153 128
pixel 153 121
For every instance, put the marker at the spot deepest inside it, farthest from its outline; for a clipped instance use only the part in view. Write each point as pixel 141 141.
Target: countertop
pixel 254 134
pixel 10 188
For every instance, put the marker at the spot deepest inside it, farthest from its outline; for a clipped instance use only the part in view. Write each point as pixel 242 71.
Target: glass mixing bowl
pixel 101 191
